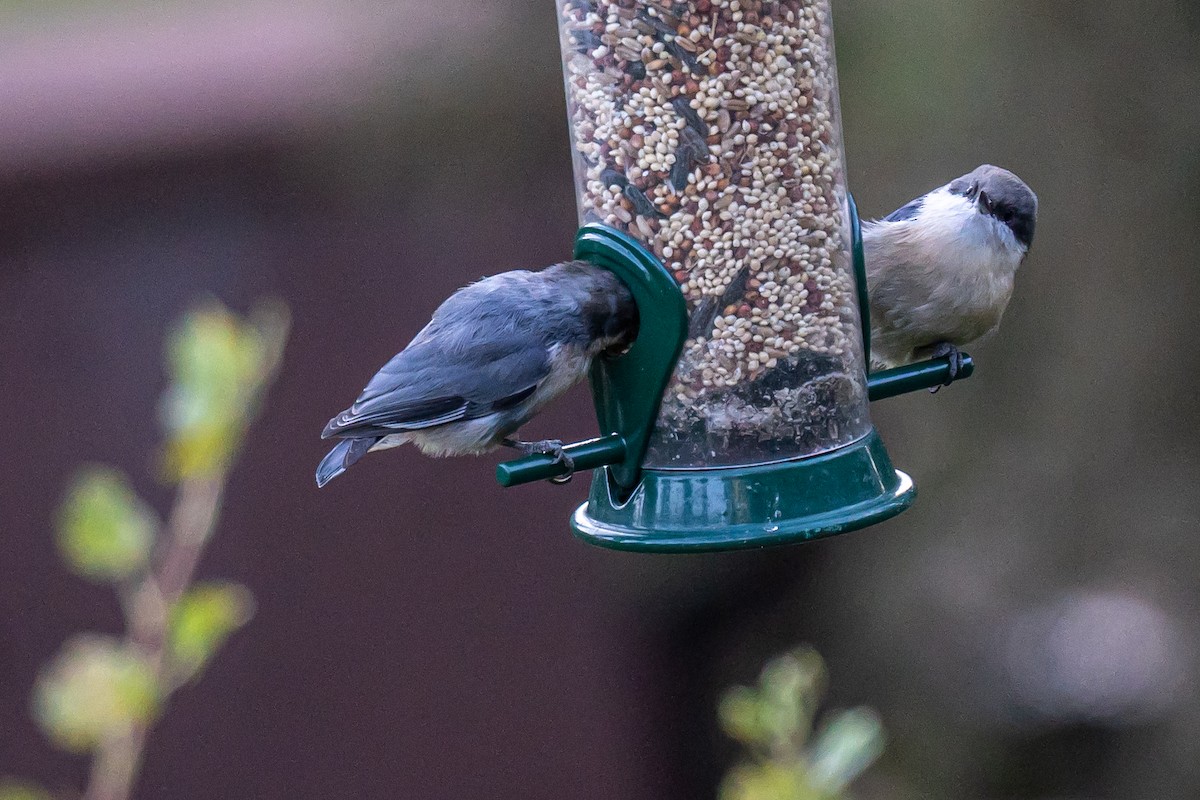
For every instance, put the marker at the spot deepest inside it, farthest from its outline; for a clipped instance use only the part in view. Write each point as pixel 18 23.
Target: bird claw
pixel 948 351
pixel 561 457
pixel 547 447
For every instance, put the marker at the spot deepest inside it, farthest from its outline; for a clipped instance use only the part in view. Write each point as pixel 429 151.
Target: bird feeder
pixel 710 177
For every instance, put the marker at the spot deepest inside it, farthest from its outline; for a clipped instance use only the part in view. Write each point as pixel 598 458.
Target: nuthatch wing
pixel 940 269
pixel 494 354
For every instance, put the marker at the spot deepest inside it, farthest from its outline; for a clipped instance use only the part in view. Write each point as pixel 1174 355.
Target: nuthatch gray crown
pixel 494 354
pixel 940 269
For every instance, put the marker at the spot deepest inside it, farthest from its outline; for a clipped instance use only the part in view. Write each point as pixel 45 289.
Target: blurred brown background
pixel 1028 630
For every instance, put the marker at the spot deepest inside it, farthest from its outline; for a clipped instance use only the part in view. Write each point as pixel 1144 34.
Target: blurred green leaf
pixel 775 721
pixel 845 747
pixel 767 781
pixel 202 620
pixel 740 717
pixel 105 531
pixel 12 790
pixel 214 361
pixel 94 689
pixel 778 714
pixel 791 686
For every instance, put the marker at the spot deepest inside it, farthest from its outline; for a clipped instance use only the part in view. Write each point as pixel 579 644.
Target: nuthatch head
pixel 494 354
pixel 940 269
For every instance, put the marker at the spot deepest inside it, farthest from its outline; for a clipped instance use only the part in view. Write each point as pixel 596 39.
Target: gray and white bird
pixel 940 270
pixel 494 354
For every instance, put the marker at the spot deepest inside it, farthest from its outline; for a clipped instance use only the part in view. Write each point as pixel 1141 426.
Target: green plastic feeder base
pixel 681 511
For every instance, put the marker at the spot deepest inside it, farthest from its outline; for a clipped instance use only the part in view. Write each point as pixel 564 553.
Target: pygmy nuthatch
pixel 940 270
pixel 493 355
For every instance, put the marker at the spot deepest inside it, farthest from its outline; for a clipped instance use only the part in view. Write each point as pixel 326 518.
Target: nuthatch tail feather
pixel 493 355
pixel 940 270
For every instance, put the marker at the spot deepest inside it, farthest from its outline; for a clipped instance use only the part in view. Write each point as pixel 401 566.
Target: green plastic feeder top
pixel 710 175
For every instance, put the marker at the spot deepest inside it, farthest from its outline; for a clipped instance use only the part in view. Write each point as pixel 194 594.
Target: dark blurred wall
pixel 1027 630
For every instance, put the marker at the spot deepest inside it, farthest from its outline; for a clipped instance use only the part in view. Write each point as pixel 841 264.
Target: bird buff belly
pixel 469 437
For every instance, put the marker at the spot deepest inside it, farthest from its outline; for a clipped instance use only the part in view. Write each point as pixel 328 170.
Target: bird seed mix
pixel 709 131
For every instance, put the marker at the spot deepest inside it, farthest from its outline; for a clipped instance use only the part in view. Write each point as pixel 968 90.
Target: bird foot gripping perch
pixel 954 357
pixel 547 447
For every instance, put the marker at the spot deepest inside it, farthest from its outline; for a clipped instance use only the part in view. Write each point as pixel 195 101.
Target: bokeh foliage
pixel 790 756
pixel 101 693
pixel 95 688
pixel 215 360
pixel 202 619
pixel 105 531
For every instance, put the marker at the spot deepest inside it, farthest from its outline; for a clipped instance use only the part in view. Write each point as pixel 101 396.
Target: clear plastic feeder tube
pixel 710 131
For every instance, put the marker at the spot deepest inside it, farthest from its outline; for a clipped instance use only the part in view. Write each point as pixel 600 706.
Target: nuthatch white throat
pixel 940 269
pixel 494 354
